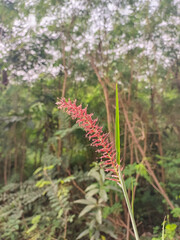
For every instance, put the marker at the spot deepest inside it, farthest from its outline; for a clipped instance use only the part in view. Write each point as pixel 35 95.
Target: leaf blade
pixel 117 129
pixel 86 210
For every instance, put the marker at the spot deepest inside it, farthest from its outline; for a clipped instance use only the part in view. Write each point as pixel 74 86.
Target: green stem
pixel 128 204
pixel 164 222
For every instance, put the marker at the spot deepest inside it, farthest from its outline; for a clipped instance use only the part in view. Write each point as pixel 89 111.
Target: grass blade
pixel 117 129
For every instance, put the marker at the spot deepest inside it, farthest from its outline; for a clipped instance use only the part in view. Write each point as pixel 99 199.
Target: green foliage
pixel 57 192
pixel 176 212
pixel 29 203
pixel 16 202
pixel 140 168
pixel 168 231
pixel 35 220
pixel 116 208
pixel 95 199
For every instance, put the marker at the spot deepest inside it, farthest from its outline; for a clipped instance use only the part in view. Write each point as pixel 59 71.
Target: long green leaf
pixel 84 233
pixel 86 210
pixel 117 128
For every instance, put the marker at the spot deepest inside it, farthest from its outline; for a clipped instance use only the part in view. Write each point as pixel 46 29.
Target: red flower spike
pixel 93 133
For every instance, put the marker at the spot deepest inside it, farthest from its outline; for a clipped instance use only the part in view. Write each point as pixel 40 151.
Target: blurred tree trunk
pixel 5 169
pixel 5 80
pixel 23 156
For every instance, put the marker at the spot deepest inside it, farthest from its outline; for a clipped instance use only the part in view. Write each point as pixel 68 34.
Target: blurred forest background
pixel 79 49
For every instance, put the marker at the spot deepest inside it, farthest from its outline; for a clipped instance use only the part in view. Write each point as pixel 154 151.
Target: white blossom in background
pixel 28 31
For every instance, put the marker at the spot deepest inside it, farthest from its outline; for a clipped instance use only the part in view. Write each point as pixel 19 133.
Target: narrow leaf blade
pixel 86 210
pixel 117 128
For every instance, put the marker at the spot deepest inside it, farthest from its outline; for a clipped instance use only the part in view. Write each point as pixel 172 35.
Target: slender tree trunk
pixel 15 158
pixel 16 149
pixel 64 84
pixel 125 145
pixel 9 166
pixel 59 142
pixel 160 148
pixel 5 170
pixel 23 156
pixel 5 80
pixel 128 222
pixel 65 71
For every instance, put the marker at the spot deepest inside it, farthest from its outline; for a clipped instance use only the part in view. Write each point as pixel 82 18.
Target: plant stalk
pixel 128 204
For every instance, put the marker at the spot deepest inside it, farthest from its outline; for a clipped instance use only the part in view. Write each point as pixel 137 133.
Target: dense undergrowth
pixel 66 196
